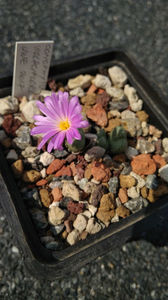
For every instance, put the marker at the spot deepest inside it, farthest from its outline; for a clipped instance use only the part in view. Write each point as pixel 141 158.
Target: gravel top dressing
pixel 116 165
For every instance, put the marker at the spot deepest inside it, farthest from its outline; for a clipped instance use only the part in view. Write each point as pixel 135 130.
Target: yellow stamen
pixel 64 125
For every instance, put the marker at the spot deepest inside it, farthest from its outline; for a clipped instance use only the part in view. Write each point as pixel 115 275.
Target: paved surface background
pixel 139 270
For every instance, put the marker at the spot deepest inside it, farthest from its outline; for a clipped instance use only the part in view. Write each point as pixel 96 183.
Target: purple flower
pixel 62 119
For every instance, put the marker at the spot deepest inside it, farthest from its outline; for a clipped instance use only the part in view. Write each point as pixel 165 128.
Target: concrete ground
pixel 139 269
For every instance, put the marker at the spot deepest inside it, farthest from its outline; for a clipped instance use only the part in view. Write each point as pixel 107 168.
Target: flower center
pixel 64 125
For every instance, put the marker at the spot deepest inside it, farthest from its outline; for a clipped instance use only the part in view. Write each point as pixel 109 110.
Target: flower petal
pixel 39 118
pixel 45 139
pixel 83 124
pixel 59 140
pixel 72 104
pixel 65 105
pixel 38 130
pixel 69 137
pixel 50 145
pixel 75 133
pixel 53 105
pixel 47 123
pixel 42 129
pixel 57 108
pixel 76 118
pixel 45 110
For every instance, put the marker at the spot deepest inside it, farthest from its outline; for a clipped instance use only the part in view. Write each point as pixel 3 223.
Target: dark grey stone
pixel 119 105
pixel 152 182
pixel 60 154
pixel 113 184
pixel 136 204
pixel 57 229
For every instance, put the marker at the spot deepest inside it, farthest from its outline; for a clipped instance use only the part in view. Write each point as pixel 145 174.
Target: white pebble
pixel 116 93
pixel 95 181
pixel 118 202
pixel 45 93
pixel 46 158
pixel 87 214
pixel 118 76
pixel 145 128
pixel 93 226
pixel 80 223
pixel 79 92
pixel 130 93
pixel 54 204
pixel 73 237
pixel 127 114
pixel 56 215
pixel 23 101
pixel 79 81
pixel 43 173
pixel 115 219
pixel 92 209
pixel 8 105
pixel 165 144
pixel 101 81
pixel 31 160
pixel 15 249
pixel 133 192
pixel 141 181
pixel 136 106
pixel 29 110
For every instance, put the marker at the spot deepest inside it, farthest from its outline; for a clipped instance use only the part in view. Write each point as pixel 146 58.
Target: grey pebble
pixel 39 218
pixel 30 151
pixel 136 204
pixel 52 245
pixel 32 198
pixel 12 155
pixel 23 139
pixel 126 169
pixel 95 152
pixel 60 154
pixel 119 105
pixel 131 152
pixel 2 135
pixel 164 173
pixel 82 183
pixel 54 184
pixel 46 239
pixel 145 146
pixel 64 202
pixel 57 229
pixel 152 182
pixel 113 184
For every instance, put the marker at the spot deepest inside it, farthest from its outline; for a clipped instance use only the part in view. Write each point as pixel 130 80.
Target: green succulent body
pixel 117 140
pixel 102 140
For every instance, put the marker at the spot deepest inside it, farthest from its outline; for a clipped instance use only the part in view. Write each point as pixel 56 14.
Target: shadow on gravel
pixel 155 228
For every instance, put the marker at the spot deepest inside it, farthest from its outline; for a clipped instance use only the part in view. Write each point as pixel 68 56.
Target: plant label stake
pixel 31 67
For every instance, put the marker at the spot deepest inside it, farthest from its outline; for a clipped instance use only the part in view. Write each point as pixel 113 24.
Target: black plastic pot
pixel 47 264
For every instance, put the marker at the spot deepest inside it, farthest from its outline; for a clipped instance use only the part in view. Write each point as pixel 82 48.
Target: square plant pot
pixel 40 261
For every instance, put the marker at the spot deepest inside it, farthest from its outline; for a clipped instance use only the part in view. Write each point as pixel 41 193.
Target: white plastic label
pixel 31 66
